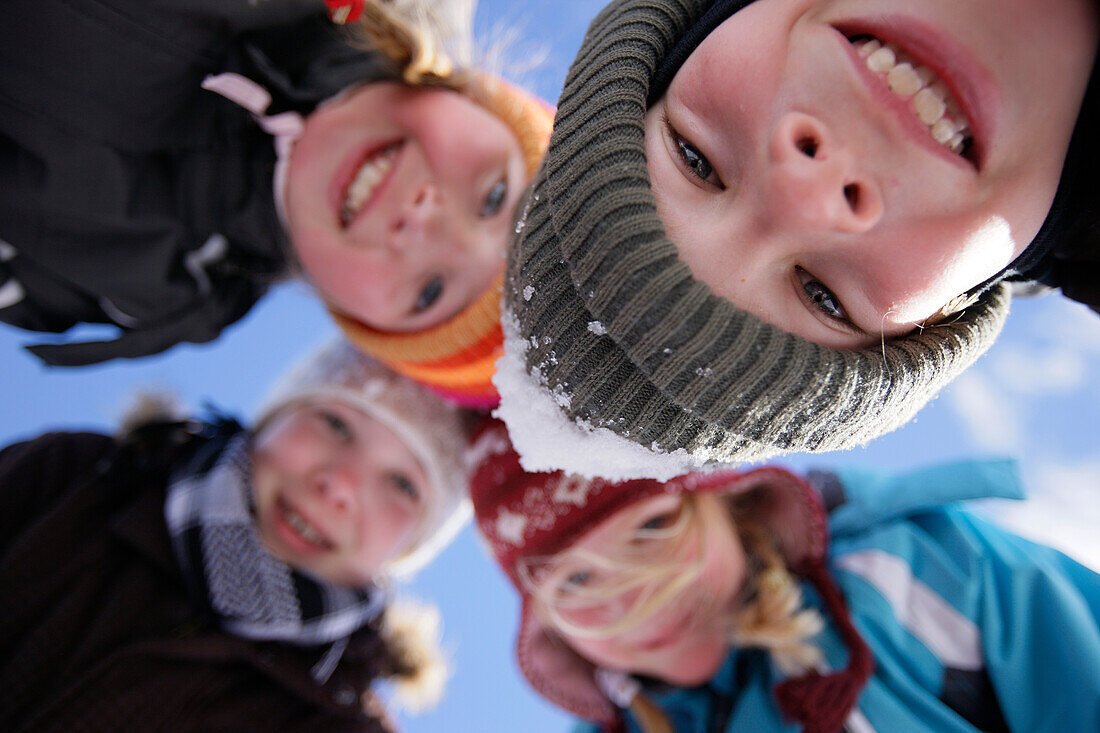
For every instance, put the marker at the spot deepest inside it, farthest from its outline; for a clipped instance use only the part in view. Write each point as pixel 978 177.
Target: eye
pixel 494 199
pixel 824 300
pixel 576 580
pixel 693 159
pixel 405 485
pixel 336 424
pixel 661 521
pixel 429 295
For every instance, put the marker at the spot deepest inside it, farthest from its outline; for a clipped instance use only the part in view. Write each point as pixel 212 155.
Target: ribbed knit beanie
pixel 456 358
pixel 530 517
pixel 432 429
pixel 610 337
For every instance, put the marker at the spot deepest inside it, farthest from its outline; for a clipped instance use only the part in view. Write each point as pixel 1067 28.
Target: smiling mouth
pixel 930 100
pixel 371 172
pixel 303 528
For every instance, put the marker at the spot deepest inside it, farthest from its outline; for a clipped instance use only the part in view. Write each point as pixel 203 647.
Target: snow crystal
pixel 548 440
pixel 528 292
pixel 597 328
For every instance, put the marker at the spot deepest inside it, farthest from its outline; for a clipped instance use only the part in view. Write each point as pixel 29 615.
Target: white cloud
pixel 1063 511
pixel 990 417
pixel 1039 371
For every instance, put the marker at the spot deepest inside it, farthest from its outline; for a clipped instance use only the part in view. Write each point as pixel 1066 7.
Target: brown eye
pixel 691 158
pixel 694 160
pixel 824 299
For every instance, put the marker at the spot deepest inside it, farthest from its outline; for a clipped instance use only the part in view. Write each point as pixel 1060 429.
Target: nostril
pixel 852 196
pixel 807 146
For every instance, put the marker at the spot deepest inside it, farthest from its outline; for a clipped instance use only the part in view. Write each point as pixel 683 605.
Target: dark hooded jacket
pixel 100 631
pixel 130 195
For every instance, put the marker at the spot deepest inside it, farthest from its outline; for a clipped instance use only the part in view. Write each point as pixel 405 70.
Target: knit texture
pixel 455 359
pixel 525 518
pixel 430 428
pixel 613 323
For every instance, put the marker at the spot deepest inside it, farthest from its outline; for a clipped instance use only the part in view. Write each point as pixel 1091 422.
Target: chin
pixel 693 667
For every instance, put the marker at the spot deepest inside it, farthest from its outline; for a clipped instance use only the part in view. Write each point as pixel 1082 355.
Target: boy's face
pixel 398 203
pixel 802 186
pixel 337 493
pixel 684 641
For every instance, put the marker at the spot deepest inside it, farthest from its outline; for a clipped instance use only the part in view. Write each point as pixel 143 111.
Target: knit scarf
pixel 208 511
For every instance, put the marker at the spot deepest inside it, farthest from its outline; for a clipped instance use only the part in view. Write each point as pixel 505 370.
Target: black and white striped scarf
pixel 252 593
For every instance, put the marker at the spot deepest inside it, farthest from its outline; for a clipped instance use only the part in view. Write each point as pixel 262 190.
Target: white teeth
pixel 903 80
pixel 929 106
pixel 931 100
pixel 882 60
pixel 369 175
pixel 302 527
pixel 943 130
pixel 866 48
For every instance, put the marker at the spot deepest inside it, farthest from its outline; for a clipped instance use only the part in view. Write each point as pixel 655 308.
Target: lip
pixel 345 174
pixel 289 535
pixel 969 82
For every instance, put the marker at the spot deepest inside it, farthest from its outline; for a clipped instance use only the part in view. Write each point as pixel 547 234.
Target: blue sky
pixel 1035 396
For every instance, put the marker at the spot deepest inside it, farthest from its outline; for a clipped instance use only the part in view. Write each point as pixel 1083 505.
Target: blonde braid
pixel 773 619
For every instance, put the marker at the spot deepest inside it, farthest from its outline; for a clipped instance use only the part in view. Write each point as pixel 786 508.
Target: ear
pixel 557 672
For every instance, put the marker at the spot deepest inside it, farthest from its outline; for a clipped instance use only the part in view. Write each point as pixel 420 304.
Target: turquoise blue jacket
pixel 972 628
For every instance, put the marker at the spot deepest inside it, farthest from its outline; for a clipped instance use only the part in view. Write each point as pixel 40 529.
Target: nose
pixel 416 221
pixel 335 485
pixel 816 181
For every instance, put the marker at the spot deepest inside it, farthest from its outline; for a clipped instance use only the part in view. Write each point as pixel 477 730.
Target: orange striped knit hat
pixel 456 358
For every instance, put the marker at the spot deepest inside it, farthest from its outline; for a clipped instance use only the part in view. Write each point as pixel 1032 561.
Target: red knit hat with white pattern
pixel 524 516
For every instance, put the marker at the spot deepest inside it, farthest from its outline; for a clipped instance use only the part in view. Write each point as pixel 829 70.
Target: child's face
pixel 799 186
pixel 685 640
pixel 399 201
pixel 337 493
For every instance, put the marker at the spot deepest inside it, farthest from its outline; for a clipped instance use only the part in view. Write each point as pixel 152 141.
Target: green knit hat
pixel 607 324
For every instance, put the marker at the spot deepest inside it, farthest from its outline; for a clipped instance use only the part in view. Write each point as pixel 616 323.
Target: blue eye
pixel 577 580
pixel 660 521
pixel 405 485
pixel 429 295
pixel 494 200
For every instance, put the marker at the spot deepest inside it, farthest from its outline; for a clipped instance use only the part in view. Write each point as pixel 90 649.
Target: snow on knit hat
pixel 608 336
pixel 431 428
pixel 530 517
pixel 456 358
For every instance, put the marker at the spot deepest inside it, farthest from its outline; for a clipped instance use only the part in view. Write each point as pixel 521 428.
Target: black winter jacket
pixel 100 632
pixel 131 196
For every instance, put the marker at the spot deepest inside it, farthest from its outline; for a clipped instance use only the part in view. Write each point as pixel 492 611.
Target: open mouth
pixel 302 527
pixel 365 181
pixel 929 98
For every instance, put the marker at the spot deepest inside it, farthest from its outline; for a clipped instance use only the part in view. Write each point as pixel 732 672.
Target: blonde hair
pixel 771 616
pixel 429 46
pixel 659 578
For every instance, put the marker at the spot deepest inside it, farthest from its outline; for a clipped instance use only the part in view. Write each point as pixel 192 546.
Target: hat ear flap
pixel 557 672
